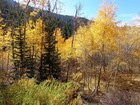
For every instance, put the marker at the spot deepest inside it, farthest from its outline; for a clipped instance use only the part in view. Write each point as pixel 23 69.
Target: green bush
pixel 27 92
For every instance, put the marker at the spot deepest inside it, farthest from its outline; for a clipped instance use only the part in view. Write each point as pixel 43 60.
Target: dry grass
pixel 117 97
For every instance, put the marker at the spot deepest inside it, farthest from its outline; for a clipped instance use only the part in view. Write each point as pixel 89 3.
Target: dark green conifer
pixel 51 58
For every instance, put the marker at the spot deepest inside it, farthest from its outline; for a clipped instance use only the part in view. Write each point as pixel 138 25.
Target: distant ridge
pixel 67 22
pixel 65 18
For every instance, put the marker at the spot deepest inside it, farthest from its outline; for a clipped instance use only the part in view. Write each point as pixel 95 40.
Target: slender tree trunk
pixel 41 59
pixel 99 80
pixel 95 78
pixel 67 77
pixel 2 63
pixel 109 81
pixel 8 61
pixel 41 48
pixel 115 74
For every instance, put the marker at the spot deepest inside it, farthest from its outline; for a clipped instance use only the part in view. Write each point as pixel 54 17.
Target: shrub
pixel 27 92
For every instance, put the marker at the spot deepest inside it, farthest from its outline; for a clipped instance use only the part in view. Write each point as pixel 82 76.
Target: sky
pixel 128 11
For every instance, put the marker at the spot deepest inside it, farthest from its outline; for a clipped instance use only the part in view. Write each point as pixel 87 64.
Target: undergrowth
pixel 27 92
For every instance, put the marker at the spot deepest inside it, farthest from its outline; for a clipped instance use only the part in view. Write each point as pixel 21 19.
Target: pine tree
pixel 19 54
pixel 24 61
pixel 30 65
pixel 51 58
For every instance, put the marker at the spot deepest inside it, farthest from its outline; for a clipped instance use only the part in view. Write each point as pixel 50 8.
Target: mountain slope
pixel 5 4
pixel 67 22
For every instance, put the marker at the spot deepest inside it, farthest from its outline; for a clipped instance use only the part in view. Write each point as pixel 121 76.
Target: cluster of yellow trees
pixel 103 45
pixel 99 46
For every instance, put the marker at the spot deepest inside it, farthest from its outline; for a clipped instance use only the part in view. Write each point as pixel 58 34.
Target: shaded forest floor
pixel 123 83
pixel 126 87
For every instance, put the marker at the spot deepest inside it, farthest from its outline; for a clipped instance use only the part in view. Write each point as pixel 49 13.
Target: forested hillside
pixel 51 59
pixel 66 23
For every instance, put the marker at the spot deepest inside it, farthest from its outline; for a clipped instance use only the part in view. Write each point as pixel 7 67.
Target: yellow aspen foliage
pixel 59 39
pixel 132 39
pixel 5 38
pixel 33 13
pixel 1 31
pixel 63 46
pixel 104 26
pixel 69 52
pixel 83 43
pixel 43 2
pixel 102 31
pixel 1 36
pixel 34 34
pixel 5 47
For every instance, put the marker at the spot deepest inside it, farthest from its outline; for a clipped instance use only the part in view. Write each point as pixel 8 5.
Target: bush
pixel 27 92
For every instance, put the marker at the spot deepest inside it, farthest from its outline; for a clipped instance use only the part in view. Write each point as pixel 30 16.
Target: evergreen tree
pixel 30 63
pixel 67 30
pixel 24 62
pixel 19 53
pixel 51 59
